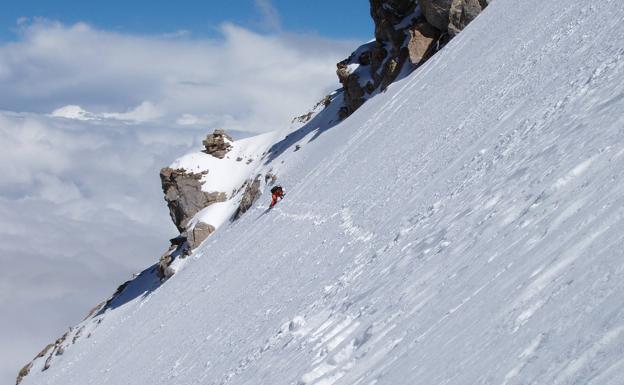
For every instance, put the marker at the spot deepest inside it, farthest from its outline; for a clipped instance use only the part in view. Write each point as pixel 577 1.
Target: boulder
pixel 199 233
pixel 217 144
pixel 436 12
pixel 451 15
pixel 422 42
pixel 463 12
pixel 184 195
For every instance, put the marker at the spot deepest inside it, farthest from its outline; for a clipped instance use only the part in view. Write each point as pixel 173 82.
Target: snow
pixel 464 227
pixel 228 174
pixel 216 214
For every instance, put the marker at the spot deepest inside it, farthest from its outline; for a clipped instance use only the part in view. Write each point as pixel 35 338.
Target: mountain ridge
pixel 468 239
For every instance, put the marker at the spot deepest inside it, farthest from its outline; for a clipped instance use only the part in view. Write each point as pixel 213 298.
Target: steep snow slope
pixel 465 227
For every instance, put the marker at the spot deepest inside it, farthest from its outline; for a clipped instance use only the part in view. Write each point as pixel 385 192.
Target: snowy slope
pixel 465 227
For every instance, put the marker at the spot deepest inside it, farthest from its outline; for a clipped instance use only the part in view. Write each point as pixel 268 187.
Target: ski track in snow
pixel 462 228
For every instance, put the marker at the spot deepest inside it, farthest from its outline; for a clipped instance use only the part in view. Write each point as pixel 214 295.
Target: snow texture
pixel 465 227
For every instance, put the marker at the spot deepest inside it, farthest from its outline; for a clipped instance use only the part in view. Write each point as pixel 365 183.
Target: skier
pixel 277 192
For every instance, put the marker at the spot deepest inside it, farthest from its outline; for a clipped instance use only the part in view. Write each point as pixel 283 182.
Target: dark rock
pixel 270 178
pixel 217 144
pixel 422 42
pixel 184 195
pixel 56 351
pixel 381 61
pixel 436 12
pixel 251 194
pixel 23 373
pixel 451 15
pixel 163 271
pixel 404 36
pixel 45 351
pixel 199 233
pixel 462 12
pixel 177 241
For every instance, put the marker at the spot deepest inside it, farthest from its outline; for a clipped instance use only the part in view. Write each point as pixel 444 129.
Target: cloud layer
pixel 87 118
pixel 242 81
pixel 80 210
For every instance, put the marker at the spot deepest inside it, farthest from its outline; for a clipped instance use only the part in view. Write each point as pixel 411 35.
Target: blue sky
pixel 345 19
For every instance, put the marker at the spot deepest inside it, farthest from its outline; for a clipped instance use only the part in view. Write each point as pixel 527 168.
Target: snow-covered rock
pixel 184 194
pixel 405 37
pixel 218 144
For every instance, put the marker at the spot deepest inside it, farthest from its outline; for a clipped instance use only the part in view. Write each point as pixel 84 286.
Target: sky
pixel 97 98
pixel 346 19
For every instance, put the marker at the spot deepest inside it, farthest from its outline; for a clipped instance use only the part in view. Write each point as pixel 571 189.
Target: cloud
pixel 270 16
pixel 80 210
pixel 246 80
pixel 144 112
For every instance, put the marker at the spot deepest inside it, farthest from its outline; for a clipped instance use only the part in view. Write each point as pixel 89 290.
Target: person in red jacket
pixel 277 192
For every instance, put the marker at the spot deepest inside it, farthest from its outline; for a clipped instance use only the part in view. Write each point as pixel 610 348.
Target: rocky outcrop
pixel 451 15
pixel 436 12
pixel 184 195
pixel 250 195
pixel 199 233
pixel 421 41
pixel 399 29
pixel 179 248
pixel 55 349
pixel 164 266
pixel 23 373
pixel 407 33
pixel 217 144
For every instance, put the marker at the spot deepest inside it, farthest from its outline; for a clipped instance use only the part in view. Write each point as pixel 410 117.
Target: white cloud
pixel 247 80
pixel 80 210
pixel 73 112
pixel 144 112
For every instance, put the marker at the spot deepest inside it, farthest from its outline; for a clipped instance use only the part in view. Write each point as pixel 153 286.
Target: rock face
pixel 407 33
pixel 217 144
pixel 421 42
pixel 463 12
pixel 251 194
pixel 199 233
pixel 451 15
pixel 184 195
pixel 436 12
pixel 23 373
pixel 401 33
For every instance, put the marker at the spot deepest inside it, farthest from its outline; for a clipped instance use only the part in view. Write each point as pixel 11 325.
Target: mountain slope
pixel 462 228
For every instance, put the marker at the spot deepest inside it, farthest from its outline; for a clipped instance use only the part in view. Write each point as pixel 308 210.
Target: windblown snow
pixel 464 227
